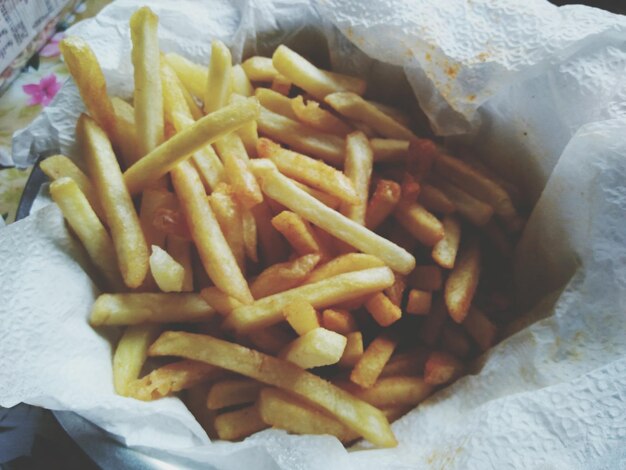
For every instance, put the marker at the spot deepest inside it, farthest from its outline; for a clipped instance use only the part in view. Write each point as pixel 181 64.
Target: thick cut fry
pixel 228 214
pixel 301 138
pixel 357 415
pixel 392 391
pixel 389 150
pixel 239 82
pixel 480 328
pixel 371 364
pixel 128 239
pixel 353 106
pixel 130 354
pixel 444 252
pixel 193 76
pixel 167 272
pixel 353 350
pixel 455 339
pixel 428 278
pixel 208 129
pixel 358 168
pixel 151 201
pixel 301 316
pixel 148 98
pixel 316 348
pixel 435 200
pixel 345 264
pixel 279 188
pixel 259 69
pixel 340 321
pixel 238 424
pixel 469 207
pixel 299 234
pixel 331 291
pixel 90 231
pixel 407 363
pixel 230 392
pixel 133 309
pixel 419 302
pixel 462 282
pixel 434 322
pixel 283 276
pixel 218 86
pixel 442 368
pixel 281 84
pixel 384 200
pixel 180 250
pixel 312 115
pixel 423 225
pixel 383 310
pixel 222 303
pixel 307 76
pixel 172 378
pixel 275 102
pixel 273 245
pixel 309 171
pixel 217 258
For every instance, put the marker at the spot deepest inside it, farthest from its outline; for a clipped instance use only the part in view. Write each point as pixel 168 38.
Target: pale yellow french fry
pixel 462 281
pixel 321 294
pixel 148 97
pixel 59 166
pixel 279 188
pixel 345 264
pixel 125 131
pixel 173 97
pixel 85 223
pixel 301 138
pixel 392 391
pixel 353 351
pixel 130 354
pixel 128 239
pixel 180 250
pixel 382 309
pixel 283 276
pixel 228 215
pixel 357 415
pixel 299 234
pixel 230 392
pixel 194 76
pixel 382 203
pixel 208 129
pixel 419 302
pixel 435 200
pixel 275 102
pixel 221 302
pixel 248 132
pixel 218 86
pixel 239 82
pixel 136 308
pixel 353 106
pixel 259 69
pixel 312 115
pixel 316 348
pixel 371 364
pixel 167 272
pixel 281 84
pixel 217 258
pixel 393 113
pixel 389 150
pixel 469 207
pixel 358 168
pixel 238 424
pixel 423 225
pixel 301 316
pixel 307 76
pixel 444 252
pixel 325 198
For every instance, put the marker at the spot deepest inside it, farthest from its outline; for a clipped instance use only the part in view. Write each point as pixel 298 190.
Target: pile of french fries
pixel 299 255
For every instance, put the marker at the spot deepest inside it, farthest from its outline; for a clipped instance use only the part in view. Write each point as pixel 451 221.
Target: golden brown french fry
pixel 396 291
pixel 434 322
pixel 281 84
pixel 389 150
pixel 275 102
pixel 230 392
pixel 383 310
pixel 151 201
pixel 371 364
pixel 273 246
pixel 353 106
pixel 407 363
pixel 358 168
pixel 444 252
pixel 228 214
pixel 239 82
pixel 345 264
pixel 180 250
pixel 171 221
pixel 442 368
pixel 301 316
pixel 428 278
pixel 435 200
pixel 312 115
pixel 462 281
pixel 307 76
pixel 280 189
pixel 222 303
pixel 90 231
pixel 125 131
pixel 469 207
pixel 130 354
pixel 238 424
pixel 423 225
pixel 384 200
pixel 299 234
pixel 392 391
pixel 338 320
pixel 128 239
pixel 480 328
pixel 419 302
pixel 353 351
pixel 316 348
pixel 193 76
pixel 148 98
pixel 167 272
pixel 219 80
pixel 208 129
pixel 321 294
pixel 283 276
pixel 259 69
pixel 357 415
pixel 217 258
pixel 455 339
pixel 136 308
pixel 172 378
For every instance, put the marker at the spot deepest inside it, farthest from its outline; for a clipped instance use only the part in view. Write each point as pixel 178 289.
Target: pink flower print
pixel 42 92
pixel 51 49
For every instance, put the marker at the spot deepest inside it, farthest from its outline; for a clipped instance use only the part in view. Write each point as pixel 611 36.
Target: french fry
pixel 407 363
pixel 383 310
pixel 173 97
pixel 90 231
pixel 298 233
pixel 228 214
pixel 305 75
pixel 312 115
pixel 172 378
pixel 136 308
pixel 358 168
pixel 462 282
pixel 271 340
pixel 428 278
pixel 345 264
pixel 259 69
pixel 301 316
pixel 353 106
pixel 435 200
pixel 130 354
pixel 384 200
pixel 239 82
pixel 340 321
pixel 128 239
pixel 218 86
pixel 309 171
pixel 353 350
pixel 316 348
pixel 171 221
pixel 442 368
pixel 392 391
pixel 180 250
pixel 357 415
pixel 221 302
pixel 238 424
pixel 371 364
pixel 433 322
pixel 283 276
pixel 325 198
pixel 421 157
pixel 208 129
pixel 389 150
pixel 167 272
pixel 280 189
pixel 419 302
pixel 396 291
pixel 230 392
pixel 217 258
pixel 195 401
pixel 125 131
pixel 480 328
pixel 301 138
pixel 423 225
pixel 148 98
pixel 455 339
pixel 400 116
pixel 250 238
pixel 444 252
pixel 248 133
pixel 469 207
pixel 321 294
pixel 281 84
pixel 276 102
pixel 151 201
pixel 273 246
pixel 193 76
